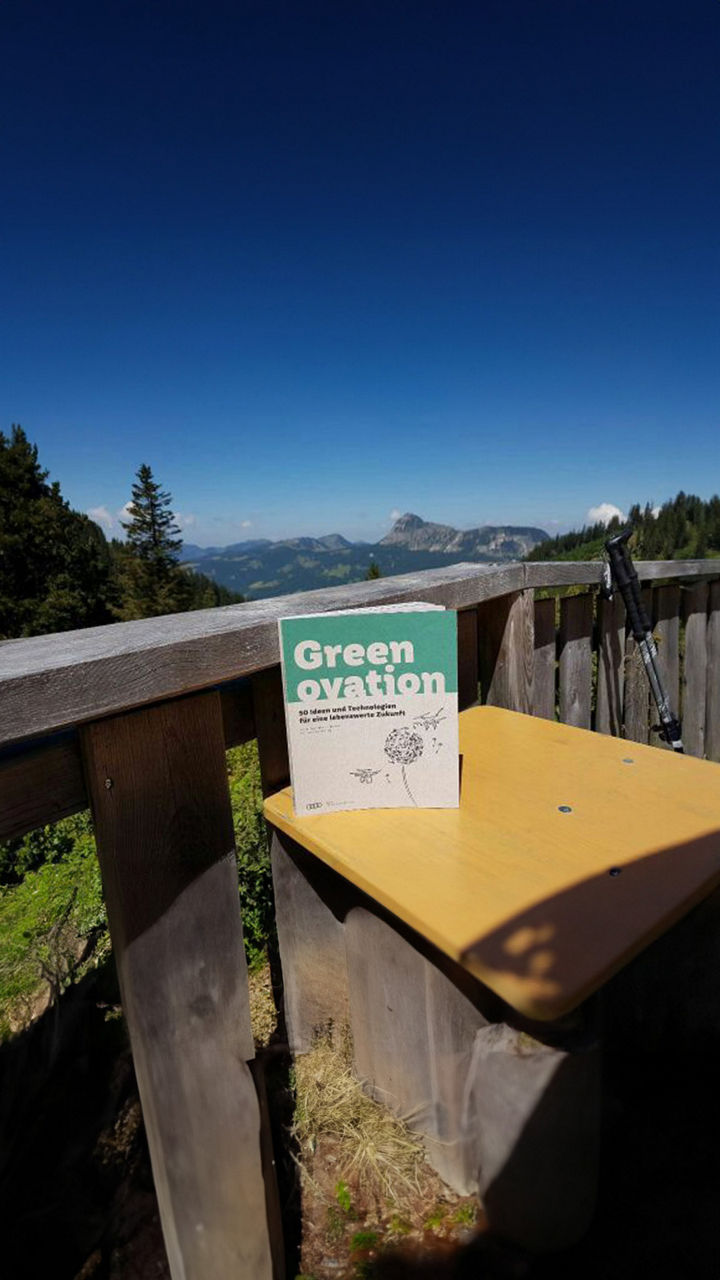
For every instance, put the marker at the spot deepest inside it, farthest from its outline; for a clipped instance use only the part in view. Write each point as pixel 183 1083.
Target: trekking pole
pixel 622 571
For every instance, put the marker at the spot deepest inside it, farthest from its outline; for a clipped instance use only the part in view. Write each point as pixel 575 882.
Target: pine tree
pixel 151 581
pixel 54 562
pixel 373 572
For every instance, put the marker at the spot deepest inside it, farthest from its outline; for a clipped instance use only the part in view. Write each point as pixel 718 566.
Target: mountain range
pixel 259 567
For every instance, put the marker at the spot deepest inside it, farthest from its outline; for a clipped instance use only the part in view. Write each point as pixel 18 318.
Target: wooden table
pixel 440 933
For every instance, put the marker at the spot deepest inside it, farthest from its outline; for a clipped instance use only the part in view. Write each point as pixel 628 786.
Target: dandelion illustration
pixel 404 746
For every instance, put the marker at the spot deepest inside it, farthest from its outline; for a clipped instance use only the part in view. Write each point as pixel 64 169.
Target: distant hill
pixel 259 568
pixel 684 528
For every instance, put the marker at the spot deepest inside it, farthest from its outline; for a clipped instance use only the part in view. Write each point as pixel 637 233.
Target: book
pixel 371 708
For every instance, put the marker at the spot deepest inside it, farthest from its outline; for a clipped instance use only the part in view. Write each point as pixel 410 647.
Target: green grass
pixel 52 914
pixel 45 921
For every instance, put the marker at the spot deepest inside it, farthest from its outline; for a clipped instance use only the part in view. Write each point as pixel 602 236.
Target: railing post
pixel 576 625
pixel 611 666
pixel 543 701
pixel 506 640
pixel 157 782
pixel 712 714
pixel 694 682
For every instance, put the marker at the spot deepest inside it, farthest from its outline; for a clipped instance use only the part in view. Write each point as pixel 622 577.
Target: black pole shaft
pixel 627 582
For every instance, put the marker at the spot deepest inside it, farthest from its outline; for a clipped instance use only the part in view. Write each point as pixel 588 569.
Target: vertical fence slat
pixel 636 712
pixel 505 644
pixel 543 703
pixel 666 629
pixel 695 602
pixel 269 716
pixel 576 624
pixel 468 662
pixel 611 665
pixel 712 713
pixel 157 780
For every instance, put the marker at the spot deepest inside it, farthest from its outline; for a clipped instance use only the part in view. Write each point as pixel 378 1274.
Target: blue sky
pixel 316 263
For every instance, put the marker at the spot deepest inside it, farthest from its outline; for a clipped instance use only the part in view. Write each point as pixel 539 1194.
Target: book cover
pixel 371 708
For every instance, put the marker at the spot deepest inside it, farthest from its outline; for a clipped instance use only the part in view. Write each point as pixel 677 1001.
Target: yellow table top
pixel 542 905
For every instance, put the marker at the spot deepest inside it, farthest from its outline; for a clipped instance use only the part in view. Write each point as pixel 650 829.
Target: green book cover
pixel 371 708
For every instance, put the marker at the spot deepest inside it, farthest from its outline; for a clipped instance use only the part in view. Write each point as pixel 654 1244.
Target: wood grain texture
pixel 516 890
pixel 544 669
pixel 310 905
pixel 413 1033
pixel 568 573
pixel 468 668
pixel 712 710
pixel 44 783
pixel 666 630
pixel 575 667
pixel 52 682
pixel 636 696
pixel 506 650
pixel 271 729
pixel 694 684
pixel 40 786
pixel 238 717
pixel 611 666
pixel 158 786
pixel 536 1112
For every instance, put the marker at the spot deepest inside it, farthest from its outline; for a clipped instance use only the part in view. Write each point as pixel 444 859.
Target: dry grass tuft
pixel 263 1015
pixel 378 1151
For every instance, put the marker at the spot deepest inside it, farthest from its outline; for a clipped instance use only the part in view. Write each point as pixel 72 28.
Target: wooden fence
pixel 134 720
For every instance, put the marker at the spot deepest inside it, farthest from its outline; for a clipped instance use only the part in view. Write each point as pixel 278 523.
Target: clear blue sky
pixel 319 262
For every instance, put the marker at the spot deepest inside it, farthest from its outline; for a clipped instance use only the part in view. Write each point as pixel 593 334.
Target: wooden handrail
pixel 56 681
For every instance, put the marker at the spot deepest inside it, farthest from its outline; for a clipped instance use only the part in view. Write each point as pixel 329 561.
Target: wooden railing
pixel 134 720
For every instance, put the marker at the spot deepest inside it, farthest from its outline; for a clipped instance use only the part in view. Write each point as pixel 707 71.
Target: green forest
pixel 59 572
pixel 684 528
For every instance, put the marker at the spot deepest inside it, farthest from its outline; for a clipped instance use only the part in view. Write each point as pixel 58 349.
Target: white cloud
pixel 101 516
pixel 655 512
pixel 604 513
pixel 185 521
pixel 395 514
pixel 246 524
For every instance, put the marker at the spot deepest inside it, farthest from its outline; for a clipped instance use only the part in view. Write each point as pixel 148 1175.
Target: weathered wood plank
pixel 40 786
pixel 611 666
pixel 712 711
pixel 535 1109
pixel 52 682
pixel 568 573
pixel 543 700
pixel 636 700
pixel 45 783
pixel 666 630
pixel 694 684
pixel 236 701
pixel 575 692
pixel 271 730
pixel 468 668
pixel 506 649
pixel 158 786
pixel 310 904
pixel 389 1020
